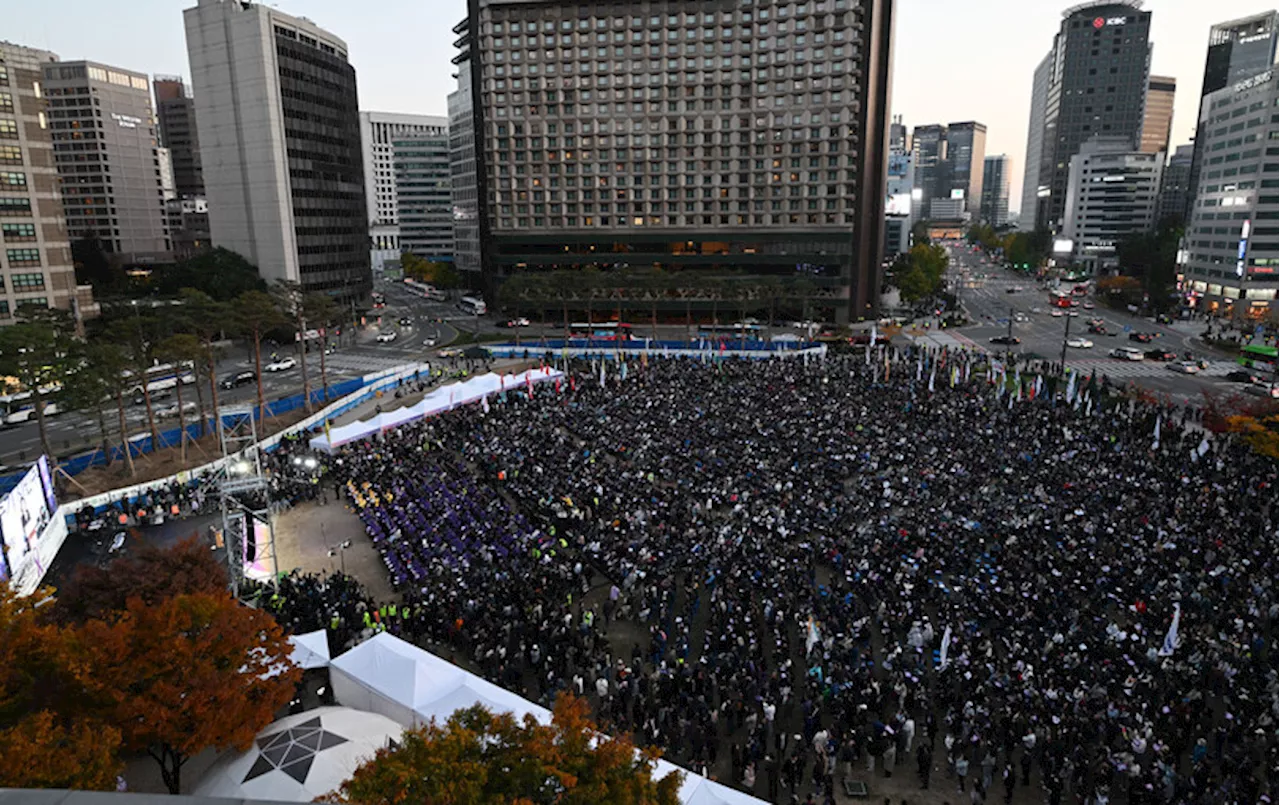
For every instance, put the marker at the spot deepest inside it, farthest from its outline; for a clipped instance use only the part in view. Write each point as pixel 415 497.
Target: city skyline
pixel 147 36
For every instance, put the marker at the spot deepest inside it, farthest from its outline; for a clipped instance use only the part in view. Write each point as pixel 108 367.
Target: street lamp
pixel 341 550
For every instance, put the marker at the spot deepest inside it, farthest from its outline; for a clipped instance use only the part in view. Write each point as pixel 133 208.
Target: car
pixel 1056 313
pixel 406 321
pixel 516 322
pixel 1241 376
pixel 1037 310
pixel 1074 303
pixel 1126 353
pixel 1161 355
pixel 1096 322
pixel 1010 289
pixel 171 411
pixel 1020 317
pixel 1143 338
pixel 386 338
pixel 1079 343
pixel 281 365
pixel 1087 305
pixel 1006 339
pixel 1073 313
pixel 430 342
pixel 450 353
pixel 1185 367
pixel 238 379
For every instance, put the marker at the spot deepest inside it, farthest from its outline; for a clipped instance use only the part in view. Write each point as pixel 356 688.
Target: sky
pixel 952 61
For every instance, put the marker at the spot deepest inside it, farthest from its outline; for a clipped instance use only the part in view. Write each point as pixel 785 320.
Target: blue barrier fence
pixel 168 438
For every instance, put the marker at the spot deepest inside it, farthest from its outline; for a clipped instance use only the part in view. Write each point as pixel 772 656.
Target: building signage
pixel 1099 22
pixel 1250 83
pixel 126 121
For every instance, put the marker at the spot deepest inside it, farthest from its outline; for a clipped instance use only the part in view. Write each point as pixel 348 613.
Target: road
pixel 75 432
pixel 986 293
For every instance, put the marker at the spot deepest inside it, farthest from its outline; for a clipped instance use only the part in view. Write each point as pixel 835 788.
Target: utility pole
pixel 1065 333
pixel 1009 340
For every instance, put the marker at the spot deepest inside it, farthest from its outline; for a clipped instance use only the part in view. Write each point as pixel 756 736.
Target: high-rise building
pixel 1157 117
pixel 36 268
pixel 1238 50
pixel 378 131
pixel 1097 84
pixel 966 150
pixel 279 128
pixel 995 190
pixel 628 144
pixel 176 113
pixel 897 204
pixel 104 144
pixel 467 185
pixel 1173 185
pixel 1112 192
pixel 424 195
pixel 1232 243
pixel 1031 188
pixel 899 141
pixel 929 160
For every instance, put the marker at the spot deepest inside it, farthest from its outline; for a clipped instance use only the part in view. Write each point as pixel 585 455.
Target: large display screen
pixel 24 513
pixel 897 204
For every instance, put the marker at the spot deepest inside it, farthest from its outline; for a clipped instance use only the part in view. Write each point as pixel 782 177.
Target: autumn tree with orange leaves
pixel 487 759
pixel 48 738
pixel 188 673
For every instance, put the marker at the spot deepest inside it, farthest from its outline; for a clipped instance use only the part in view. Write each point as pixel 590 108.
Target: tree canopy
pixel 439 274
pixel 479 757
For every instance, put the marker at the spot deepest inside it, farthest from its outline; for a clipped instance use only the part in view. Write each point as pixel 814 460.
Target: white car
pixel 171 411
pixel 430 342
pixel 1126 353
pixel 1056 313
pixel 1079 343
pixel 386 338
pixel 282 365
pixel 1020 317
pixel 1184 367
pixel 1037 310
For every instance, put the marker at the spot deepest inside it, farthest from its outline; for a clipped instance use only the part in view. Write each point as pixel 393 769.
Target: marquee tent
pixel 441 399
pixel 411 686
pixel 311 650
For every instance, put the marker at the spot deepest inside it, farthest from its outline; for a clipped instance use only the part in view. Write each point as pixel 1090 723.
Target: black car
pixel 237 380
pixel 1160 355
pixel 1098 329
pixel 1011 340
pixel 405 321
pixel 1144 338
pixel 1240 376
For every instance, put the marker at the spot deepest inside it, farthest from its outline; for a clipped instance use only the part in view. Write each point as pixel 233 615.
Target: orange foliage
pixel 478 757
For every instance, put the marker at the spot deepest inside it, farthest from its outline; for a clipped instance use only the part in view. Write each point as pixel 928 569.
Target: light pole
pixel 1009 339
pixel 1065 333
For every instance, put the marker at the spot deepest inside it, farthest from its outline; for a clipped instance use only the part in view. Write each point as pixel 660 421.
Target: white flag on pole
pixel 932 374
pixel 812 638
pixel 1171 639
pixel 946 645
pixel 1204 446
pixel 1155 445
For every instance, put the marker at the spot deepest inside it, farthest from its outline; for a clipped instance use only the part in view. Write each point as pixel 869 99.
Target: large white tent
pixel 411 686
pixel 441 399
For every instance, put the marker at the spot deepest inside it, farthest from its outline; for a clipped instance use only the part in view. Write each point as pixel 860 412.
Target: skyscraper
pixel 1157 117
pixel 995 190
pixel 378 132
pixel 1035 145
pixel 966 150
pixel 948 166
pixel 177 115
pixel 1112 191
pixel 467 184
pixel 423 194
pixel 899 142
pixel 1097 83
pixel 279 131
pixel 929 161
pixel 1173 185
pixel 104 144
pixel 705 137
pixel 36 253
pixel 1238 50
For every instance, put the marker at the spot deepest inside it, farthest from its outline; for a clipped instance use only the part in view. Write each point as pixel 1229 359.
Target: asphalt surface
pixel 76 432
pixel 986 294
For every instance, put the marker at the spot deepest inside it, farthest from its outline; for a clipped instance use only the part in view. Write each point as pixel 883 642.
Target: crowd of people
pixel 792 573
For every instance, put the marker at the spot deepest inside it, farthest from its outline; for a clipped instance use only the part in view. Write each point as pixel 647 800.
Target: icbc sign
pixel 1099 22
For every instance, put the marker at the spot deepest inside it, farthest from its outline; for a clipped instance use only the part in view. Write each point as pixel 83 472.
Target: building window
pixel 15 206
pixel 18 233
pixel 35 301
pixel 8 129
pixel 25 257
pixel 10 155
pixel 13 179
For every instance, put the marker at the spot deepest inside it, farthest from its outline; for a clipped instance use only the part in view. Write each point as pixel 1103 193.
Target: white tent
pixel 300 757
pixel 412 686
pixel 310 650
pixel 441 399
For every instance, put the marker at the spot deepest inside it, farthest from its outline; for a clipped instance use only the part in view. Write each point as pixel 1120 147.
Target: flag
pixel 886 367
pixel 873 334
pixel 1171 639
pixel 484 404
pixel 557 385
pixel 867 357
pixel 955 370
pixel 946 645
pixel 919 367
pixel 328 437
pixel 1155 444
pixel 528 381
pixel 602 371
pixel 932 373
pixel 1204 446
pixel 623 372
pixel 812 638
pixel 1071 388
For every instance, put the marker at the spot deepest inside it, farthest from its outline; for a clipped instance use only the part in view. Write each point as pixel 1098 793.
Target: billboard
pixel 957 193
pixel 899 165
pixel 24 514
pixel 897 204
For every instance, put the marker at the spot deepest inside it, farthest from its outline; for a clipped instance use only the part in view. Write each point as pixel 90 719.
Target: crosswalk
pixel 363 363
pixel 1113 367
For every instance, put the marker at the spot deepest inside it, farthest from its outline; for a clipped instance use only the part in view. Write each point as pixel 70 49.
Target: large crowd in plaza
pixel 789 573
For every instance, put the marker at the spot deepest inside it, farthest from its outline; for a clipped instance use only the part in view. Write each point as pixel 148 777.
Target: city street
pixel 989 303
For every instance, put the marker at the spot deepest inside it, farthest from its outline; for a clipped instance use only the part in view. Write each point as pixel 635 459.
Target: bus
pixel 162 377
pixel 735 332
pixel 473 306
pixel 601 330
pixel 17 409
pixel 424 291
pixel 1257 356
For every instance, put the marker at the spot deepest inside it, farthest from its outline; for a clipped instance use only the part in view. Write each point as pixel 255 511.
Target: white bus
pixel 162 377
pixel 473 306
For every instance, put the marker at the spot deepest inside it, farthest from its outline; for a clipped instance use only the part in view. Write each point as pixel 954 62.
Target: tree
pixel 188 673
pixel 207 318
pixel 37 351
pixel 437 273
pixel 150 574
pixel 46 738
pixel 291 300
pixel 322 312
pixel 183 349
pixel 1152 258
pixel 255 314
pixel 93 267
pixel 96 381
pixel 221 273
pixel 139 333
pixel 479 757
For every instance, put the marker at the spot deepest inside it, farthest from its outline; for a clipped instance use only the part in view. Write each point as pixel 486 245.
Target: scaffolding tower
pixel 245 496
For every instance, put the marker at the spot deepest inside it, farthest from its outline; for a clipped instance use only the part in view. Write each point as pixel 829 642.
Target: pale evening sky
pixel 952 61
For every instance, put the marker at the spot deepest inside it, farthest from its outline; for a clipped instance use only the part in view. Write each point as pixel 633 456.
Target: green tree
pixel 291 300
pixel 1152 258
pixel 182 350
pixel 479 757
pixel 322 313
pixel 91 386
pixel 139 334
pixel 39 352
pixel 256 313
pixel 220 273
pixel 93 267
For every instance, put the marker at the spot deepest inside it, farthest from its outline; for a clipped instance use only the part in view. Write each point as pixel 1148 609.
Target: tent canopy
pixel 311 650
